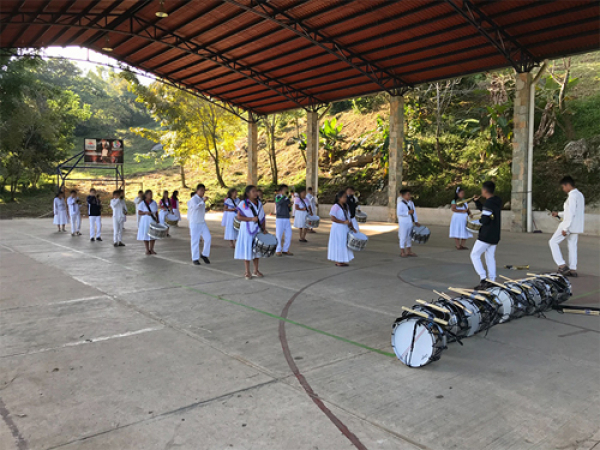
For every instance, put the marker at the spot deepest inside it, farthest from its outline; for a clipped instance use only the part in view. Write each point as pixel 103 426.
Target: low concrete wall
pixel 442 216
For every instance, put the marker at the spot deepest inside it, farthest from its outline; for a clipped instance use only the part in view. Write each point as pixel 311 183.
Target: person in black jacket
pixel 489 234
pixel 95 215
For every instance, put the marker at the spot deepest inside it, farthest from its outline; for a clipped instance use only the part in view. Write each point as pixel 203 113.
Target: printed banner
pixel 103 151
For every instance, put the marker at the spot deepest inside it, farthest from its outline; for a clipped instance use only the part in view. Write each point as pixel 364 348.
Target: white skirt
pixel 300 219
pixel 231 234
pixel 458 227
pixel 178 214
pixel 338 250
pixel 143 227
pixel 61 218
pixel 243 245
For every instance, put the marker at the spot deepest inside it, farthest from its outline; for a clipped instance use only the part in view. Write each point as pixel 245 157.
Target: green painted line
pixel 585 294
pixel 293 322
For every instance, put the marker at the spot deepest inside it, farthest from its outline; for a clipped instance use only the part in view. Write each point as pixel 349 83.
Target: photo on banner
pixel 103 151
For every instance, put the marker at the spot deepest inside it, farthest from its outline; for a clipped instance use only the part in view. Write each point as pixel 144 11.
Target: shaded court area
pixel 106 348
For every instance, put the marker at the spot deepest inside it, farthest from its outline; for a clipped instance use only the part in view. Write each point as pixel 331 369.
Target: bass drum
pixel 417 341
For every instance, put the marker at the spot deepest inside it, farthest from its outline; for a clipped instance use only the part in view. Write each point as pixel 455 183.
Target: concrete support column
pixel 312 151
pixel 252 152
pixel 520 143
pixel 395 153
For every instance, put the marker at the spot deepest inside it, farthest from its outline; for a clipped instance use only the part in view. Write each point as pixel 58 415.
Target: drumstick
pixel 460 305
pixel 547 275
pixel 432 306
pixel 465 292
pixel 516 282
pixel 579 311
pixel 425 316
pixel 441 294
pixel 504 286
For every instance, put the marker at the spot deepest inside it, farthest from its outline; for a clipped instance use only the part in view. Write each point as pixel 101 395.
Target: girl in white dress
pixel 175 205
pixel 60 211
pixel 251 215
pixel 229 212
pixel 458 224
pixel 148 212
pixel 138 200
pixel 338 250
pixel 164 209
pixel 301 208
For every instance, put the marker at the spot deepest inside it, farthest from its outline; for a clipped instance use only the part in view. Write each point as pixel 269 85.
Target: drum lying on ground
pixel 472 314
pixel 265 244
pixel 420 234
pixel 157 230
pixel 417 342
pixel 520 298
pixel 312 221
pixel 357 241
pixel 508 307
pixel 457 327
pixel 360 217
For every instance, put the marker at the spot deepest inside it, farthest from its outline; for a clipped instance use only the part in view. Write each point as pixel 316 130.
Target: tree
pixel 190 128
pixel 270 125
pixel 37 121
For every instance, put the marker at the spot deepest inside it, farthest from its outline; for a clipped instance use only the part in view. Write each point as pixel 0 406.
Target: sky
pixel 80 56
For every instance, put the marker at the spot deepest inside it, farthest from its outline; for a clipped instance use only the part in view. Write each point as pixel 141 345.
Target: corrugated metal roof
pixel 270 55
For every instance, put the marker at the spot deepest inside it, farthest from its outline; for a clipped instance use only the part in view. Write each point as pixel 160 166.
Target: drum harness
pixel 150 211
pixel 255 214
pixel 412 216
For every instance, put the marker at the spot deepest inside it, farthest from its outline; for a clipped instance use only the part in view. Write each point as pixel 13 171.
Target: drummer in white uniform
pixel 229 212
pixel 119 209
pixel 148 213
pixel 252 220
pixel 338 250
pixel 458 224
pixel 301 208
pixel 165 209
pixel 198 228
pixel 407 219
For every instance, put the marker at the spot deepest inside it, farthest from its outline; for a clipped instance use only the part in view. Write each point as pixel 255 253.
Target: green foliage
pixel 331 136
pixel 364 105
pixel 338 107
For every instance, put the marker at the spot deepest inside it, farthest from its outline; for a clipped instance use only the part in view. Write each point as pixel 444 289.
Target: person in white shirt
pixel 312 200
pixel 60 211
pixel 198 228
pixel 119 209
pixel 74 214
pixel 571 226
pixel 139 199
pixel 407 218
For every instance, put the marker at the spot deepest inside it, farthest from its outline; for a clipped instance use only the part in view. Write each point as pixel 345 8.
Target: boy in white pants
pixel 283 227
pixel 571 226
pixel 119 208
pixel 489 235
pixel 407 218
pixel 198 228
pixel 95 215
pixel 75 215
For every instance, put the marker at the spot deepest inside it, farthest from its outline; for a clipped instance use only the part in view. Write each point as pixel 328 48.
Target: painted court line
pixel 293 322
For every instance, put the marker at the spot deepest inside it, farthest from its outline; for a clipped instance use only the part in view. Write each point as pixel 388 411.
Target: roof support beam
pixel 150 32
pixel 516 54
pixel 45 29
pixel 385 79
pixel 94 20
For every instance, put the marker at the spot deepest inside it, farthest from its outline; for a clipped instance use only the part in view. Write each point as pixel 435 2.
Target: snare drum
pixel 357 241
pixel 157 230
pixel 420 234
pixel 457 327
pixel 236 223
pixel 533 295
pixel 417 341
pixel 360 217
pixel 508 308
pixel 548 293
pixel 473 315
pixel 264 244
pixel 473 225
pixel 563 287
pixel 521 300
pixel 312 221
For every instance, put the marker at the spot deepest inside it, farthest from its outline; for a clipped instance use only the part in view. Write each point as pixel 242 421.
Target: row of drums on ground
pixel 421 335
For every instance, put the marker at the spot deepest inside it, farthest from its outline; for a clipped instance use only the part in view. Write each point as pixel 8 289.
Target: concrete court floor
pixel 106 348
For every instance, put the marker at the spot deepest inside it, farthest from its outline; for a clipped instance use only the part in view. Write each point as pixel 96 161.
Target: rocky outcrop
pixel 584 151
pixel 350 163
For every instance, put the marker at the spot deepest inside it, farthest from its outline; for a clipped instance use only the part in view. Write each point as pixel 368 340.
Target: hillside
pixel 469 146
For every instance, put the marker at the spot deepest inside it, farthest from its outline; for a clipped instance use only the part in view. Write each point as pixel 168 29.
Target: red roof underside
pixel 246 54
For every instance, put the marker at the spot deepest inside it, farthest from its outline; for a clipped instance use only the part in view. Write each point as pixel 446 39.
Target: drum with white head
pixel 417 341
pixel 357 241
pixel 157 230
pixel 420 234
pixel 265 244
